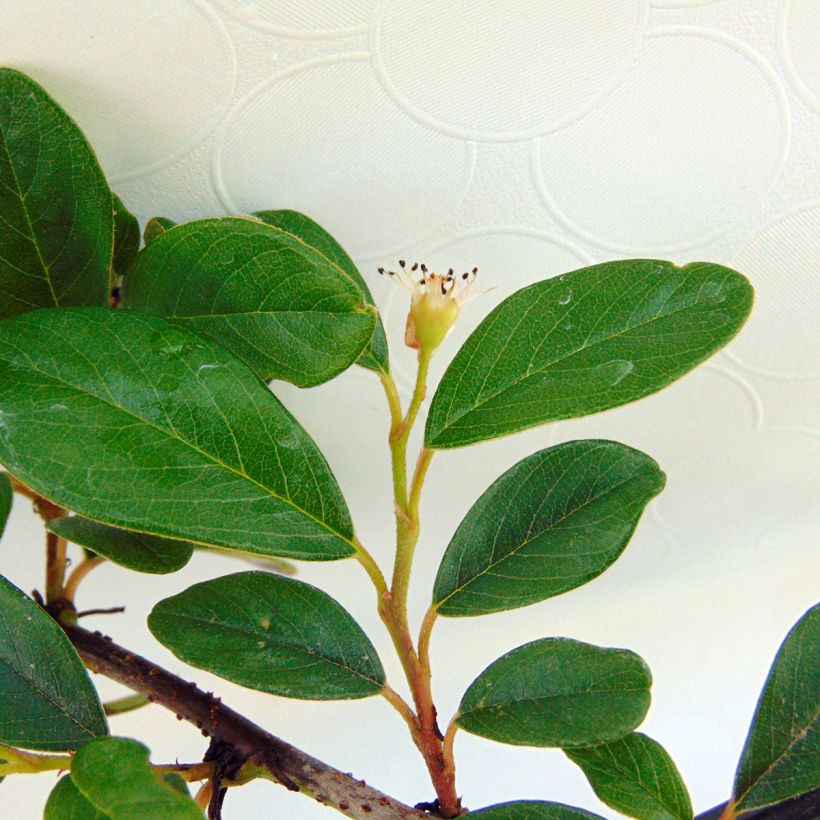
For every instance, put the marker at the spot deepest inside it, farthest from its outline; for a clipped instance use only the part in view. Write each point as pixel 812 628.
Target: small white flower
pixel 435 302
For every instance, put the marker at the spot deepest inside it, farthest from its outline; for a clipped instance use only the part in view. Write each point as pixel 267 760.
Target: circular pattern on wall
pixel 87 57
pixel 799 38
pixel 691 164
pixel 306 18
pixel 324 139
pixel 502 71
pixel 781 337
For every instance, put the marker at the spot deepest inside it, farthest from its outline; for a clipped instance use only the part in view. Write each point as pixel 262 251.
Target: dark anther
pixel 465 275
pixel 423 267
pixel 414 266
pixel 450 272
pixel 475 270
pixel 381 270
pixel 402 262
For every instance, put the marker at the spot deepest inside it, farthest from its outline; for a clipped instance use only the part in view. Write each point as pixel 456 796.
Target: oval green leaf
pixel 533 810
pixel 56 219
pixel 47 702
pixel 114 775
pixel 781 756
pixel 375 355
pixel 126 236
pixel 130 420
pixel 274 301
pixel 557 692
pixel 67 802
pixel 635 776
pixel 584 342
pixel 6 498
pixel 552 522
pixel 270 633
pixel 134 550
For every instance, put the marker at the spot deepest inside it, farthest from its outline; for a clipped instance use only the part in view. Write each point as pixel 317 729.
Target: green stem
pixel 125 704
pixel 16 761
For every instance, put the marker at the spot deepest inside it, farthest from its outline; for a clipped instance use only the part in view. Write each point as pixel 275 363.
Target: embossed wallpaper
pixel 529 138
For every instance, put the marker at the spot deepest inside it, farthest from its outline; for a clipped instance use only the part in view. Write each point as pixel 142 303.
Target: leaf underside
pixel 134 550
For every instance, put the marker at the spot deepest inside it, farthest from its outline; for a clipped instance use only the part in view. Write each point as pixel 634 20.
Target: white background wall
pixel 528 137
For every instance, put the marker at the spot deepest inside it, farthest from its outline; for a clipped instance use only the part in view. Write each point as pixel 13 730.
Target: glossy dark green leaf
pixel 781 757
pixel 114 774
pixel 533 810
pixel 375 355
pixel 557 692
pixel 636 776
pixel 270 633
pixel 135 550
pixel 6 498
pixel 130 420
pixel 584 342
pixel 281 306
pixel 56 220
pixel 126 236
pixel 47 701
pixel 155 227
pixel 67 802
pixel 552 522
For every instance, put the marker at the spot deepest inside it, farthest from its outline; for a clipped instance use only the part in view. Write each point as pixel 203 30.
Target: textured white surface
pixel 528 138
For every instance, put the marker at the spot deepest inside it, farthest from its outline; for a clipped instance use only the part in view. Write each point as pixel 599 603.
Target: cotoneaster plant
pixel 134 412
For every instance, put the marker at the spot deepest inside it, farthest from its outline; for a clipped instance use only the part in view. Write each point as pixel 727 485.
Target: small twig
pixel 111 610
pixel 264 755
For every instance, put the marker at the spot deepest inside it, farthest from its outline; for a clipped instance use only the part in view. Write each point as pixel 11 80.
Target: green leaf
pixel 47 702
pixel 56 220
pixel 557 692
pixel 270 633
pixel 636 776
pixel 275 302
pixel 552 522
pixel 135 550
pixel 781 757
pixel 126 236
pixel 532 810
pixel 115 775
pixel 6 498
pixel 155 227
pixel 130 420
pixel 584 342
pixel 375 355
pixel 66 802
